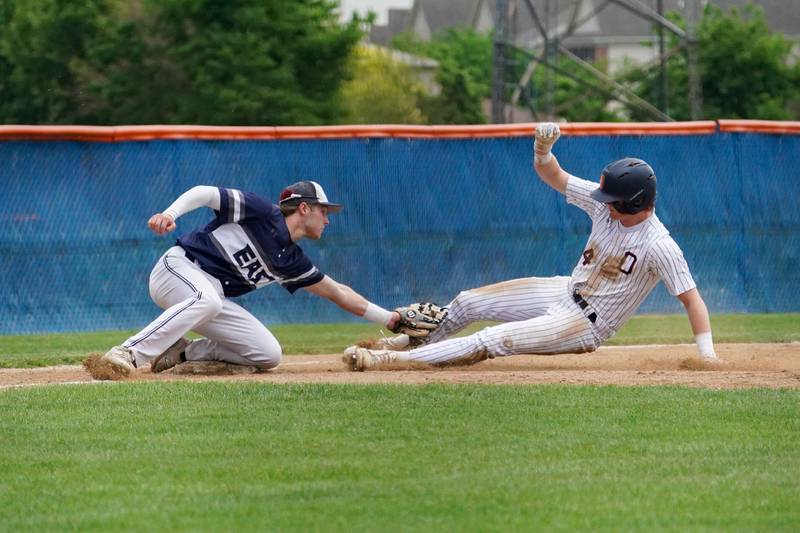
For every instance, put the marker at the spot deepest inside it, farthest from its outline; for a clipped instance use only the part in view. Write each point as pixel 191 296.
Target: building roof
pixel 397 23
pixel 445 14
pixel 781 15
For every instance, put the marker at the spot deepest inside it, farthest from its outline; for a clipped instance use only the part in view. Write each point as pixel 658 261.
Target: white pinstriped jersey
pixel 620 266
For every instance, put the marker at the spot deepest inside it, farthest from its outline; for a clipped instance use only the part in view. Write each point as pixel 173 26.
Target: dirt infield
pixel 745 366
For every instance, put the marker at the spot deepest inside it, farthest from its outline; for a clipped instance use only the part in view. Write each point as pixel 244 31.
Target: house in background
pixel 591 29
pixel 397 22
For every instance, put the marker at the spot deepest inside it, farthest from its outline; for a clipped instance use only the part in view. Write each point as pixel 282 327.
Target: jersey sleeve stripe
pixel 238 205
pixel 223 202
pixel 305 275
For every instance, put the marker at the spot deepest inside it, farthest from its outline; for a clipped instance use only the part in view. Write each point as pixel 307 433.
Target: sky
pixel 380 7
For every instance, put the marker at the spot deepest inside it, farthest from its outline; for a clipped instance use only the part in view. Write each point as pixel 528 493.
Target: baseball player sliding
pixel 249 244
pixel 628 252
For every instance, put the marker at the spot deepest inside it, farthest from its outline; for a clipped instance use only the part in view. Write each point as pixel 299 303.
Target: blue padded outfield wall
pixel 424 219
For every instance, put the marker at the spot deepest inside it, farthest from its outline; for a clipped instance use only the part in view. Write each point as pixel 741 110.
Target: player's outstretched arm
pixel 352 302
pixel 701 324
pixel 544 162
pixel 199 196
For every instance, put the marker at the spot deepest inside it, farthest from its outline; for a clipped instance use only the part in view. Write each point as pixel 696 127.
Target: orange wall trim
pixel 759 126
pixel 156 132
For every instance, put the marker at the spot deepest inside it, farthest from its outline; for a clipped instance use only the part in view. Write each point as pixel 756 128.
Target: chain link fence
pixel 424 219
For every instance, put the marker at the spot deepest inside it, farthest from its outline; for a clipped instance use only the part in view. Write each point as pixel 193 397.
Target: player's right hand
pixel 161 223
pixel 547 133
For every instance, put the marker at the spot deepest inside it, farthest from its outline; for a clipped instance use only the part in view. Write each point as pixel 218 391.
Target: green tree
pixel 579 96
pixel 173 61
pixel 381 90
pixel 464 75
pixel 459 101
pixel 745 69
pixel 255 61
pixel 40 41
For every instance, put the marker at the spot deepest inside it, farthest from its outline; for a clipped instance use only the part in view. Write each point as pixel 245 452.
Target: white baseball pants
pixel 194 301
pixel 539 317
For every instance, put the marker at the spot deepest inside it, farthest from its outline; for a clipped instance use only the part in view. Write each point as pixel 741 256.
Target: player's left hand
pixel 161 223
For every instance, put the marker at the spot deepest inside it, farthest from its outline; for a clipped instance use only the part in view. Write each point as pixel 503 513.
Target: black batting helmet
pixel 628 184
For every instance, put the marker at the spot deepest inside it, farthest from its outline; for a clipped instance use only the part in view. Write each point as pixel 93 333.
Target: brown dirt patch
pixel 100 369
pixel 745 366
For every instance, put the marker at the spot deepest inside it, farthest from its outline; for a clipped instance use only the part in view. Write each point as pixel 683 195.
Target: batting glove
pixel 547 133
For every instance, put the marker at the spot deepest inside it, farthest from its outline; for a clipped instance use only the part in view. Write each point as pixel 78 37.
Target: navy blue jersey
pixel 248 245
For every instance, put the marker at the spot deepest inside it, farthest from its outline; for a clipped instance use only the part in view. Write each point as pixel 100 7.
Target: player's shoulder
pixel 578 184
pixel 654 228
pixel 257 198
pixel 254 200
pixel 578 192
pixel 663 244
pixel 658 234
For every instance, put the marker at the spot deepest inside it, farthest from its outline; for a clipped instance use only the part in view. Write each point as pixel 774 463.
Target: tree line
pixel 172 61
pixel 271 62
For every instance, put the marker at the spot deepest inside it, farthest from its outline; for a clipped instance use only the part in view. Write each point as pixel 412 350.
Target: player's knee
pixel 210 303
pixel 267 354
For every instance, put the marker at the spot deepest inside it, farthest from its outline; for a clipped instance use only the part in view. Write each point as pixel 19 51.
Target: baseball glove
pixel 419 319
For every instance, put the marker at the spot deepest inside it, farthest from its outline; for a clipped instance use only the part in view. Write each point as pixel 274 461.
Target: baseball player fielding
pixel 250 243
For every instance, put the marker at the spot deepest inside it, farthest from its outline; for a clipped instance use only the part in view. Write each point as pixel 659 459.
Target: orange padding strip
pixel 144 133
pixel 759 126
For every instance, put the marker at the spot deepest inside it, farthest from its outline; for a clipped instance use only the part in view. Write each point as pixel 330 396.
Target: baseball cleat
pixel 171 356
pixel 364 359
pixel 121 359
pixel 398 343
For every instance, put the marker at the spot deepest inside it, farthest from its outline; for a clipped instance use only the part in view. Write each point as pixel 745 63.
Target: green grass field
pixel 202 456
pixel 71 348
pixel 179 456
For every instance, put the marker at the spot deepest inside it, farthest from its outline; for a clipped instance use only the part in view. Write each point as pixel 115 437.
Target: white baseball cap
pixel 310 192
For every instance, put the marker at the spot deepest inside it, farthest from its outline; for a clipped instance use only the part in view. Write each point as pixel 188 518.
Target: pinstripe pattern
pixel 563 329
pixel 620 266
pixel 507 301
pixel 617 270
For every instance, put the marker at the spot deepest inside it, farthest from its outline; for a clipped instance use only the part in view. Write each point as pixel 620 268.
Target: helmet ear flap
pixel 636 202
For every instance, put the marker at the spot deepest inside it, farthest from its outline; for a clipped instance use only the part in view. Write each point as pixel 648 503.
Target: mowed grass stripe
pixel 217 456
pixel 19 351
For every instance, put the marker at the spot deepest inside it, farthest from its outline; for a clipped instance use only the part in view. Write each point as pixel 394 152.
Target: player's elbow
pixel 554 180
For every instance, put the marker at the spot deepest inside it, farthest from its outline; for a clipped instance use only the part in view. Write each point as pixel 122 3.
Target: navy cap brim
pixel 332 208
pixel 603 197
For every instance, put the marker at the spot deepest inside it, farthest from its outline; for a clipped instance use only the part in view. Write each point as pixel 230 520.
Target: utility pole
pixel 692 14
pixel 663 91
pixel 499 63
pixel 550 49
